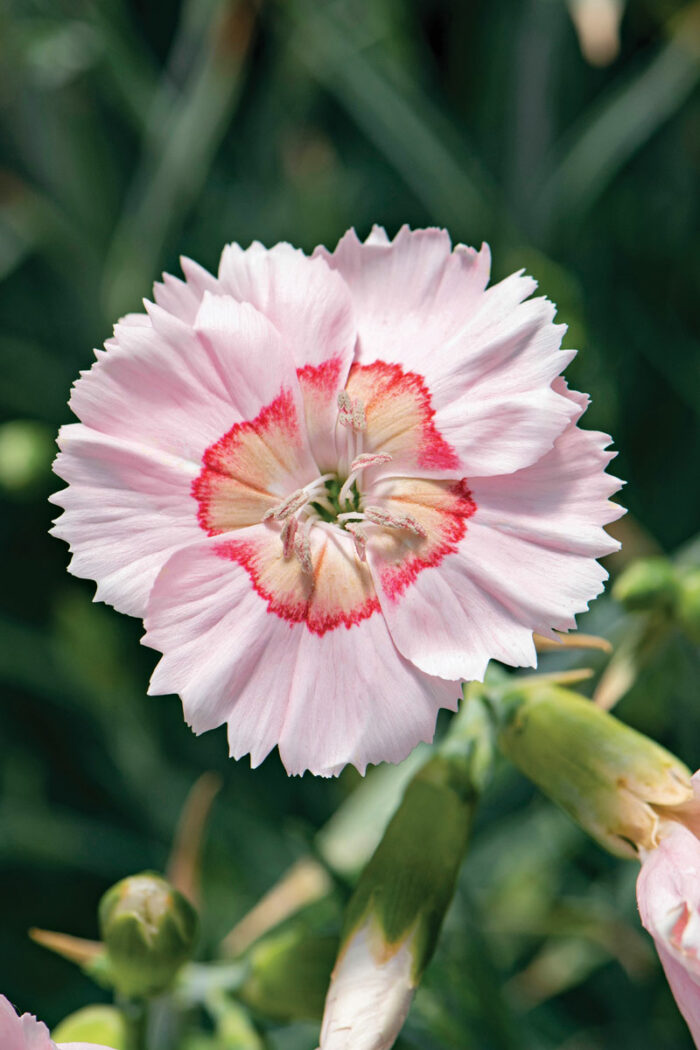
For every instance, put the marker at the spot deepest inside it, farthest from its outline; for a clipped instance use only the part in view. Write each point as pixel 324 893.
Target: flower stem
pixel 135 1013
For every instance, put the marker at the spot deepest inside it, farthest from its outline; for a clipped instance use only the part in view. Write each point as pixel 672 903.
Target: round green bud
pixel 148 929
pixel 289 975
pixel 689 604
pixel 103 1025
pixel 650 583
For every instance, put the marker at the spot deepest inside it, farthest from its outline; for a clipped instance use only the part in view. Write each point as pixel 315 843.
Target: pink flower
pixel 26 1033
pixel 668 894
pixel 334 487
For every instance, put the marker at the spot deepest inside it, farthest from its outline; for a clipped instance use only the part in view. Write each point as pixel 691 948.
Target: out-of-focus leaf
pixel 399 119
pixel 177 151
pixel 621 122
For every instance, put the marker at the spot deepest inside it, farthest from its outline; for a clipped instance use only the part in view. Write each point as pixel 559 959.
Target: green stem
pixel 135 1013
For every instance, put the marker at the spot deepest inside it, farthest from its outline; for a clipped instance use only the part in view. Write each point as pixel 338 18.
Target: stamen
pixel 288 506
pixel 302 547
pixel 370 459
pixel 360 463
pixel 289 531
pixel 391 521
pixel 360 537
pixel 296 500
pixel 351 413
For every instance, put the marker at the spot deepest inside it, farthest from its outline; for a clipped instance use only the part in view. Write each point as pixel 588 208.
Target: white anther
pixel 391 521
pixel 359 419
pixel 351 413
pixel 296 500
pixel 360 537
pixel 407 521
pixel 289 531
pixel 369 459
pixel 290 505
pixel 302 547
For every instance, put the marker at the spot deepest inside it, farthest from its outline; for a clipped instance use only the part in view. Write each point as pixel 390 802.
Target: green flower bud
pixel 149 930
pixel 689 604
pixel 289 975
pixel 103 1025
pixel 394 917
pixel 612 780
pixel 649 583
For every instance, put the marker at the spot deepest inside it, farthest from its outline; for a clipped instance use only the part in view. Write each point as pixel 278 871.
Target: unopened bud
pixel 394 917
pixel 649 583
pixel 689 604
pixel 615 782
pixel 289 975
pixel 103 1025
pixel 149 930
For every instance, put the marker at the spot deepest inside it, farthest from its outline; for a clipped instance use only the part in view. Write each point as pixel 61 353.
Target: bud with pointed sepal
pixel 615 782
pixel 148 929
pixel 394 917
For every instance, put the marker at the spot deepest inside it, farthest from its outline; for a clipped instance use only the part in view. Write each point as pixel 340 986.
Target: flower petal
pixel 525 563
pixel 370 993
pixel 172 388
pixel 488 358
pixel 127 508
pixel 183 298
pixel 316 673
pixel 668 894
pixel 311 307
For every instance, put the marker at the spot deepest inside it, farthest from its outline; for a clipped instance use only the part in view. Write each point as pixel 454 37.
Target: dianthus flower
pixel 26 1033
pixel 334 487
pixel 668 894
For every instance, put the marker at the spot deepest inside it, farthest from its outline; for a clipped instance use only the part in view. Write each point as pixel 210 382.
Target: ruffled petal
pixel 487 357
pixel 309 666
pixel 21 1033
pixel 311 307
pixel 179 389
pixel 183 298
pixel 524 562
pixel 127 508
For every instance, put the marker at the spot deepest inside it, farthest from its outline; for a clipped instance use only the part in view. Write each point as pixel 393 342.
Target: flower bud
pixel 289 975
pixel 148 929
pixel 394 917
pixel 649 583
pixel 93 1024
pixel 615 782
pixel 689 604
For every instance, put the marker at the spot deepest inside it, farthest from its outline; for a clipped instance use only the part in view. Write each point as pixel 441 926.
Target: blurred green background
pixel 565 134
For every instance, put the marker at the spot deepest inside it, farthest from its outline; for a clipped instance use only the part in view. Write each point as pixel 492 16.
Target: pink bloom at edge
pixel 26 1033
pixel 334 488
pixel 668 894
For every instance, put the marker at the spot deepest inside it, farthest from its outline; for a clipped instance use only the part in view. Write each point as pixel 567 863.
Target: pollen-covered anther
pixel 302 549
pixel 394 521
pixel 287 507
pixel 360 537
pixel 351 413
pixel 369 459
pixel 289 531
pixel 296 500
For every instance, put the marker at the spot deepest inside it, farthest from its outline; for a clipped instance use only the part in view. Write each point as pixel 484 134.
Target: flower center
pixel 329 500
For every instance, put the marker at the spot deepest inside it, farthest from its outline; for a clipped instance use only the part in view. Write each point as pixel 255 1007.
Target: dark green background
pixel 133 132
